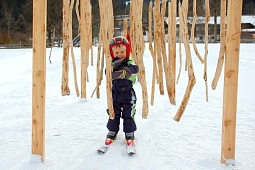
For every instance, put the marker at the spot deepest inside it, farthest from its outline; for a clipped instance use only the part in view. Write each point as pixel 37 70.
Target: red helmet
pixel 120 40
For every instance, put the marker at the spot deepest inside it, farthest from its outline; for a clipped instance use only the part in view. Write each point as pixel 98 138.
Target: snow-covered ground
pixel 76 128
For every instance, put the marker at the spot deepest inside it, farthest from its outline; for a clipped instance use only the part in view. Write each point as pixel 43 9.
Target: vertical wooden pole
pixel 85 24
pixel 137 40
pixel 70 32
pixel 65 66
pixel 180 40
pixel 106 31
pixel 231 80
pixel 152 54
pixel 172 50
pixel 157 47
pixel 39 73
pixel 207 18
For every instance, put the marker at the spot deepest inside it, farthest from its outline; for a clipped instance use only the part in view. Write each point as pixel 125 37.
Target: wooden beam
pixel 39 73
pixel 65 63
pixel 85 24
pixel 231 80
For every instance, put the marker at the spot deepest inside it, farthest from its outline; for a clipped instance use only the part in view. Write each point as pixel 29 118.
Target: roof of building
pixel 201 20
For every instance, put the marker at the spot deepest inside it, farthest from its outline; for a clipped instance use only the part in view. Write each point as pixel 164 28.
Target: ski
pixel 103 149
pixel 130 150
pixel 130 147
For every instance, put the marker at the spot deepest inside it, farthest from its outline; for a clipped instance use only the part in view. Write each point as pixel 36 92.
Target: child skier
pixel 123 94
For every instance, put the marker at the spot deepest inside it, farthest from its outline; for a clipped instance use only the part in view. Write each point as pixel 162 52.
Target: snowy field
pixel 75 128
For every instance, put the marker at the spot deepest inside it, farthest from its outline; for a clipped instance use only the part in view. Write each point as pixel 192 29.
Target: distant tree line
pixel 16 17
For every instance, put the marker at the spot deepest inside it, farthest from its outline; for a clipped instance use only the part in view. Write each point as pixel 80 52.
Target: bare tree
pixel 215 12
pixel 8 19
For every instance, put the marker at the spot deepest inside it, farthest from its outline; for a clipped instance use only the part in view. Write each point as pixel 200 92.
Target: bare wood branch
pixel 180 41
pixel 192 79
pixel 157 47
pixel 207 18
pixel 106 22
pixel 99 78
pixel 65 62
pixel 172 50
pixel 222 45
pixel 193 31
pixel 153 56
pixel 85 43
pixel 138 48
pixel 71 46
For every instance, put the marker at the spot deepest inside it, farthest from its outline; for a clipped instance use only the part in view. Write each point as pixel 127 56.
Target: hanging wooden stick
pixel 222 44
pixel 52 42
pixel 157 47
pixel 172 49
pixel 99 58
pixel 193 31
pixel 85 24
pixel 90 40
pixel 166 60
pixel 207 18
pixel 180 40
pixel 71 46
pixel 191 75
pixel 65 66
pixel 153 56
pixel 106 22
pixel 137 40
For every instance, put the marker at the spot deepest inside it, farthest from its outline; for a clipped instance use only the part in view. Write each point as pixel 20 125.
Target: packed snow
pixel 75 128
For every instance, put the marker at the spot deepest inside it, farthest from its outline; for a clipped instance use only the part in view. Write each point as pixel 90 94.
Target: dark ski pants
pixel 126 111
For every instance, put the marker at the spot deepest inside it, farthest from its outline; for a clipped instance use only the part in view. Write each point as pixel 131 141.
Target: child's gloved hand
pixel 115 58
pixel 116 64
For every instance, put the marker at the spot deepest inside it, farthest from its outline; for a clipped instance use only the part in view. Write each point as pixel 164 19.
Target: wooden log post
pixel 231 80
pixel 65 66
pixel 39 77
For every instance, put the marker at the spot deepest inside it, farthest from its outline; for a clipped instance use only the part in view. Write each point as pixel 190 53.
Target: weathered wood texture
pixel 65 66
pixel 222 45
pixel 39 77
pixel 137 39
pixel 231 80
pixel 106 31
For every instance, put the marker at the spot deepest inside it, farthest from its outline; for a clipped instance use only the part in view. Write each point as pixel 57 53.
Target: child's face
pixel 119 51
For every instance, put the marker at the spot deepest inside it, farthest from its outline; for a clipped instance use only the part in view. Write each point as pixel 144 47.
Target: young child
pixel 123 94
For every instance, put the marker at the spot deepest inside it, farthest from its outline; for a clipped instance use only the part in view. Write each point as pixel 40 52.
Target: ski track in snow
pixel 75 129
